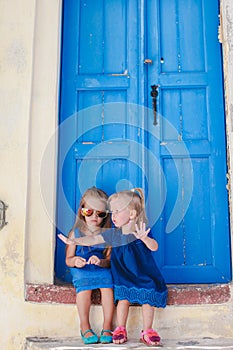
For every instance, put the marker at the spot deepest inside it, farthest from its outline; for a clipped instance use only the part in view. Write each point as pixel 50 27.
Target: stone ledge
pixel 43 343
pixel 177 295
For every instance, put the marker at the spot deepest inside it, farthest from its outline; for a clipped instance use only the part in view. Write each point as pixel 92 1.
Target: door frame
pixel 44 124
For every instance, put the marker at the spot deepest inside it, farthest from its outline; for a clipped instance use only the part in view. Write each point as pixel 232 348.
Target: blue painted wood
pixel 188 57
pixel 108 139
pixel 98 60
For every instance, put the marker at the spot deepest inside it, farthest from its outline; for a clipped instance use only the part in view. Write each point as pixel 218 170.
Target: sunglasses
pixel 90 212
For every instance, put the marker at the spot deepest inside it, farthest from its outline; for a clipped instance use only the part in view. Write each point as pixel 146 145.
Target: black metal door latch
pixel 154 94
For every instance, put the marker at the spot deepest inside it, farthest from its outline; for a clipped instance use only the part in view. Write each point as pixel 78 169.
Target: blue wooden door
pixel 193 225
pixel 113 52
pixel 98 130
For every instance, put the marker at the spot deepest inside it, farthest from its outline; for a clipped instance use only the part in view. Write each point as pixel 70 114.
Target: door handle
pixel 154 94
pixel 148 61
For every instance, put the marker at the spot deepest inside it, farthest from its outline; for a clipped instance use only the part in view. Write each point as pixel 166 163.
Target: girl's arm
pixel 142 234
pixel 70 255
pixel 76 261
pixel 86 240
pixel 71 259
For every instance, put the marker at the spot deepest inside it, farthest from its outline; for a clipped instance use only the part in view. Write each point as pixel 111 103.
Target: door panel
pixel 99 76
pixel 182 41
pixel 108 138
pixel 187 65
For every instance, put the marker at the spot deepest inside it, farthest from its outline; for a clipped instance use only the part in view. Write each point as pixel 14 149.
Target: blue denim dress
pixel 136 277
pixel 90 276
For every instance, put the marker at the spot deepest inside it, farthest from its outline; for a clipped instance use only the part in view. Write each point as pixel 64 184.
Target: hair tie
pixel 134 190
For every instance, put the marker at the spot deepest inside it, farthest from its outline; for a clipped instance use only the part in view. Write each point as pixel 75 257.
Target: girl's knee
pixel 106 291
pixel 125 302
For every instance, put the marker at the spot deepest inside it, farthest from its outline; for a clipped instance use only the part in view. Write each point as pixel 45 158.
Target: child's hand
pixel 141 232
pixel 93 260
pixel 79 262
pixel 66 240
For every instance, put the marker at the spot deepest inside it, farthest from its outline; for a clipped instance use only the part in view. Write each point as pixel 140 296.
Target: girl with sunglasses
pixel 136 277
pixel 90 266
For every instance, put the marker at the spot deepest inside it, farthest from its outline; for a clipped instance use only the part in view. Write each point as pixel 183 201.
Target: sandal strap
pixel 119 329
pixel 119 333
pixel 106 330
pixel 152 334
pixel 88 330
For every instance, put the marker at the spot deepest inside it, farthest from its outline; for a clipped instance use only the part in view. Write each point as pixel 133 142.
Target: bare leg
pixel 147 316
pixel 122 312
pixel 108 308
pixel 152 337
pixel 83 301
pixel 122 316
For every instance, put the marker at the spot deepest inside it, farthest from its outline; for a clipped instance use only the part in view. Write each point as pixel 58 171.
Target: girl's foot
pixel 119 335
pixel 89 337
pixel 150 337
pixel 106 336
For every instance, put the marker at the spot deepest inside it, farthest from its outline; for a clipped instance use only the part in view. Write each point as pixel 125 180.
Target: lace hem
pixel 141 296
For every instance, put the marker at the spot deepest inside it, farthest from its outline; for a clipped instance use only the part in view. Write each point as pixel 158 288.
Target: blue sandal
pixel 93 339
pixel 105 339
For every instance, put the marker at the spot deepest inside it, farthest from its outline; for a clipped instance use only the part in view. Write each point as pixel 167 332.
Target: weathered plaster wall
pixel 227 43
pixel 15 84
pixel 43 123
pixel 29 66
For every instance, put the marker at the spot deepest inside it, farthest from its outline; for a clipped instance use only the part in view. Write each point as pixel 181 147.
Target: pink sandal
pixel 119 335
pixel 150 338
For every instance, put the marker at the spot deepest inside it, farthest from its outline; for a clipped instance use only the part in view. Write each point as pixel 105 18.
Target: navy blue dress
pixel 90 276
pixel 136 277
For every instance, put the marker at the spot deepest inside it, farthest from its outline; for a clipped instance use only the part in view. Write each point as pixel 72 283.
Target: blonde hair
pixel 135 200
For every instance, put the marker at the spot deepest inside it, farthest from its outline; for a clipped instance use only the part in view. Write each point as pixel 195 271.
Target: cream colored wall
pixel 42 127
pixel 226 37
pixel 29 78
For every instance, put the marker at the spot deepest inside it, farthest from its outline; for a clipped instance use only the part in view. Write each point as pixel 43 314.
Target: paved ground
pixel 76 344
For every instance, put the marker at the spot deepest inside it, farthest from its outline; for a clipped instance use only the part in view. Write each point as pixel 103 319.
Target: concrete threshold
pixel 44 343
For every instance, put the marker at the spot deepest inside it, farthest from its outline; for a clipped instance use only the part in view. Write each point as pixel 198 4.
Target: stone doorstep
pixel 44 343
pixel 177 295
